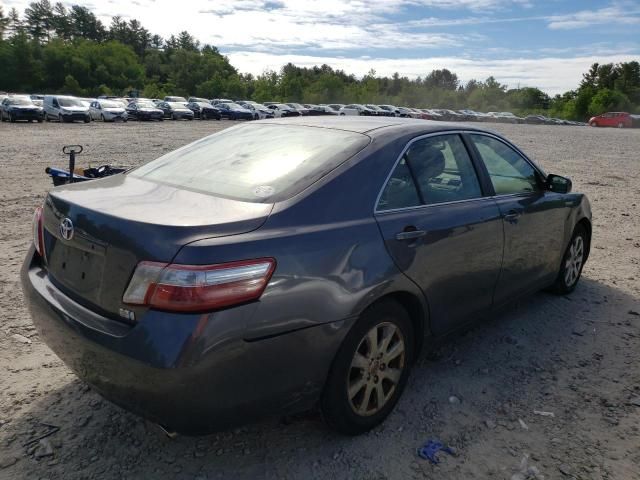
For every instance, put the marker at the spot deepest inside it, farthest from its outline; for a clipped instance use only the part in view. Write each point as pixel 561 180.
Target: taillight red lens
pixel 38 233
pixel 191 288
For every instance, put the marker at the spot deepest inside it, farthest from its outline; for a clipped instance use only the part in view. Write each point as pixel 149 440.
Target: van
pixel 65 109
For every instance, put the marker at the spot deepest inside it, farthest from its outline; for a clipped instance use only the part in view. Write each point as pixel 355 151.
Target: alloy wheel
pixel 574 260
pixel 376 369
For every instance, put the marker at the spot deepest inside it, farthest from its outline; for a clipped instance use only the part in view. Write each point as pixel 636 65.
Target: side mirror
pixel 558 184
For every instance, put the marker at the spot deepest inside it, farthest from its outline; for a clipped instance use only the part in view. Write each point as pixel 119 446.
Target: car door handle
pixel 511 216
pixel 410 235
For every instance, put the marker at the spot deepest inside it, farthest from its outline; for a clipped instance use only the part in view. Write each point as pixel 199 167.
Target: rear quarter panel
pixel 331 259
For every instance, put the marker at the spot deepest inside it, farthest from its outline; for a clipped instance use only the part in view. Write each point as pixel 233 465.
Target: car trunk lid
pixel 121 220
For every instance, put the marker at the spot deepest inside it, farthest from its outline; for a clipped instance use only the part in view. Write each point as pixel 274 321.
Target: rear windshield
pixel 255 163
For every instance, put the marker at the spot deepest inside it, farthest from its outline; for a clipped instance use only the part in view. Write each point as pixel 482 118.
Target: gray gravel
pixel 577 357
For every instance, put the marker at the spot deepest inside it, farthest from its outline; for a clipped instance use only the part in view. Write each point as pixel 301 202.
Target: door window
pixel 440 167
pixel 510 173
pixel 443 170
pixel 400 191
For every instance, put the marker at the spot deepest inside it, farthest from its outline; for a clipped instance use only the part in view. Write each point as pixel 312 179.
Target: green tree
pixel 607 100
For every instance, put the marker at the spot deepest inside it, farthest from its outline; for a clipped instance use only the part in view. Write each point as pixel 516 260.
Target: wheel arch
pixel 416 309
pixel 586 224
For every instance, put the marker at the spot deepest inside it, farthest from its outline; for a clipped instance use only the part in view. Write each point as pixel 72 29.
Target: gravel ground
pixel 577 357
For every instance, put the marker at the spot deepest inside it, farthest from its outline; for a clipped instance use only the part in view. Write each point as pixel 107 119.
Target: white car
pixel 107 111
pixel 356 109
pixel 260 112
pixel 64 108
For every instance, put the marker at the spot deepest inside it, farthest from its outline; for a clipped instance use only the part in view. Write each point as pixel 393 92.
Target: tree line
pixel 54 49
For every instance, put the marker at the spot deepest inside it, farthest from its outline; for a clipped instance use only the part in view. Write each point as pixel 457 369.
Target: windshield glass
pixel 255 163
pixel 177 105
pixel 19 101
pixel 233 105
pixel 145 105
pixel 110 104
pixel 69 102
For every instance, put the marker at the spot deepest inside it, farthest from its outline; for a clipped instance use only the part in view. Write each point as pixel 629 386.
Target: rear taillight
pixel 38 233
pixel 192 288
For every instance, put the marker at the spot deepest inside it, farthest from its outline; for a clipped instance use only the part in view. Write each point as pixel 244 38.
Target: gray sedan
pixel 292 263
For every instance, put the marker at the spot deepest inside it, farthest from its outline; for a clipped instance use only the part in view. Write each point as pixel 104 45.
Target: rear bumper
pixel 191 373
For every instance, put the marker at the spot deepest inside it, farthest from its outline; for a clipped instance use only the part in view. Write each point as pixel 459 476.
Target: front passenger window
pixel 510 173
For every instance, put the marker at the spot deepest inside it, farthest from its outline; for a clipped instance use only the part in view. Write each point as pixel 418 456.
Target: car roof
pixel 365 124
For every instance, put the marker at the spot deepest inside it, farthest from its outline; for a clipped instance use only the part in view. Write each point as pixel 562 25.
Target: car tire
pixel 256 117
pixel 593 124
pixel 40 120
pixel 102 117
pixel 87 120
pixel 572 262
pixel 361 376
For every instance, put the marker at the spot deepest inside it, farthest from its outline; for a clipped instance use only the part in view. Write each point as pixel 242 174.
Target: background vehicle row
pixel 65 108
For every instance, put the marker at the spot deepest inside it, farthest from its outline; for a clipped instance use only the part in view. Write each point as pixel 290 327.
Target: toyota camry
pixel 292 264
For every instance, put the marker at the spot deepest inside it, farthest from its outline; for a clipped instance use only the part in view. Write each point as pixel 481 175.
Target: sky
pixel 546 44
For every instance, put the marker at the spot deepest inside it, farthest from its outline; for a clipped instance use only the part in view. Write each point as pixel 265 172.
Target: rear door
pixel 533 218
pixel 440 229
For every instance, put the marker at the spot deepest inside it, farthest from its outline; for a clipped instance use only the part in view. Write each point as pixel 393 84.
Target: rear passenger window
pixel 400 191
pixel 510 173
pixel 442 170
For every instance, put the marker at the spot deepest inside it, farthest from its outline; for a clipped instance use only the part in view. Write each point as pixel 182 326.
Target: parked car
pixel 379 111
pixel 260 112
pixel 107 111
pixel 449 115
pixel 535 119
pixel 37 99
pixel 20 107
pixel 356 109
pixel 176 110
pixel 206 288
pixel 198 100
pixel 233 111
pixel 145 110
pixel 430 114
pixel 204 110
pixel 298 107
pixel 65 109
pixel 392 109
pixel 282 110
pixel 321 110
pixel 612 119
pixel 505 117
pixel 173 99
pixel 336 106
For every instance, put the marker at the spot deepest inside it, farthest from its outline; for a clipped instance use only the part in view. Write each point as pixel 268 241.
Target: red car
pixel 612 119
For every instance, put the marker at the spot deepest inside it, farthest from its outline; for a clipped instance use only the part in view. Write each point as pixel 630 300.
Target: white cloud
pixel 551 74
pixel 624 13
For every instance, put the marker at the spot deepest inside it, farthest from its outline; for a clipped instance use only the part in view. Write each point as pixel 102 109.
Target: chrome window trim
pixel 452 132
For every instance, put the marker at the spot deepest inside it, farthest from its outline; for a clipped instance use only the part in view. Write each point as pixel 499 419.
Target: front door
pixel 441 231
pixel 533 219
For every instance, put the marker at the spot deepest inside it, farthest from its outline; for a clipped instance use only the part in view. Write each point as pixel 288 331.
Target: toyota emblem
pixel 66 228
